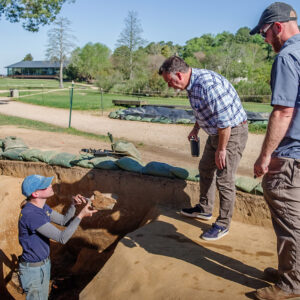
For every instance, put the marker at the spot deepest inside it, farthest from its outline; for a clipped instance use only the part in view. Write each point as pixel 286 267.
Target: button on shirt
pixel 36 247
pixel 285 78
pixel 214 101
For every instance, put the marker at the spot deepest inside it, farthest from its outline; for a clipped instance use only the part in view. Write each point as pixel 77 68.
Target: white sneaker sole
pixel 216 238
pixel 195 215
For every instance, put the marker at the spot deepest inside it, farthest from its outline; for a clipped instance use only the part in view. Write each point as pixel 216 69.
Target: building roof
pixel 35 64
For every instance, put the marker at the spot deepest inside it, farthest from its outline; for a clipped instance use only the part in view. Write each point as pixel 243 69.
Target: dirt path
pixel 156 142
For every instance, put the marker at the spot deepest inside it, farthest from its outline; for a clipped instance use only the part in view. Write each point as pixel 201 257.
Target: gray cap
pixel 276 12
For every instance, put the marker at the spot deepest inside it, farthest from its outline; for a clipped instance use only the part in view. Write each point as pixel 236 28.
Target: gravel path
pixel 168 141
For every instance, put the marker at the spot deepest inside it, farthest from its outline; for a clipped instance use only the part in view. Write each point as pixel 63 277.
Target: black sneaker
pixel 272 275
pixel 195 212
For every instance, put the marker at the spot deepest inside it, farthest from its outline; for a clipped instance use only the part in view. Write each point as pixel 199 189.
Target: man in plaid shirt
pixel 219 112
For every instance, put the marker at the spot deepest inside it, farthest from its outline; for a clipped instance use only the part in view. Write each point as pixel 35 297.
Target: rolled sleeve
pixel 285 85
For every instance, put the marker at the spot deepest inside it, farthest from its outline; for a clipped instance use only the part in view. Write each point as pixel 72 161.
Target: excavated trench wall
pixel 140 197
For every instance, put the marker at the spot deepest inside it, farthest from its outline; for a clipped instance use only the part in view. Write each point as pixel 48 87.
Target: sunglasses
pixel 263 32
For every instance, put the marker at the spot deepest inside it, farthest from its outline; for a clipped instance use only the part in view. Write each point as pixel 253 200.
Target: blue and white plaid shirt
pixel 214 101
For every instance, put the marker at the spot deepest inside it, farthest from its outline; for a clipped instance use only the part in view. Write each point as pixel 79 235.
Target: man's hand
pixel 261 165
pixel 87 211
pixel 78 199
pixel 220 159
pixel 194 134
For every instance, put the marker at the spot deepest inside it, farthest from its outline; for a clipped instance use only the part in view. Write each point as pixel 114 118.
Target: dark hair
pixel 174 64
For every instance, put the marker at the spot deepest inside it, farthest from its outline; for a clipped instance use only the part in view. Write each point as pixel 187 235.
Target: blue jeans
pixel 35 280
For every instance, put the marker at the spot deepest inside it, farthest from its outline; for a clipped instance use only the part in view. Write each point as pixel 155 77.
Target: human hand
pixel 78 199
pixel 194 134
pixel 87 211
pixel 220 159
pixel 261 165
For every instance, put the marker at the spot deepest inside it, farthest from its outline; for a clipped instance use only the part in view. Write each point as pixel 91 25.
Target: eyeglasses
pixel 263 32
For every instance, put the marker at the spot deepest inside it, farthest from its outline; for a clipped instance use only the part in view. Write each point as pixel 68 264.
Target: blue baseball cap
pixel 33 183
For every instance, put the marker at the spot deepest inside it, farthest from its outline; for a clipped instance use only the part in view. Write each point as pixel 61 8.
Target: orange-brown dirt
pixel 164 259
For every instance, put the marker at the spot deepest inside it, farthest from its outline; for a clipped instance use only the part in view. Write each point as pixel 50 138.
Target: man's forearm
pixel 279 123
pixel 224 135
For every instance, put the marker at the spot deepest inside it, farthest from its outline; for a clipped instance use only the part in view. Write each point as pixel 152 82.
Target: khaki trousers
pixel 282 192
pixel 210 176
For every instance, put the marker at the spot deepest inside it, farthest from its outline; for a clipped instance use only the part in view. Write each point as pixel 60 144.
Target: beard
pixel 276 42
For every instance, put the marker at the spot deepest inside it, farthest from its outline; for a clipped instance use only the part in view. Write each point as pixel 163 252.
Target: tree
pixel 60 44
pixel 91 61
pixel 28 57
pixel 131 38
pixel 33 13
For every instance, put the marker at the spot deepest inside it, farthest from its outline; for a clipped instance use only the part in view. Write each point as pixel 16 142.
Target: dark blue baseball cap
pixel 276 12
pixel 35 182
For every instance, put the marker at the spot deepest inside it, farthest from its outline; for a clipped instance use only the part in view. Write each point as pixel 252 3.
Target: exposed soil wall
pixel 94 241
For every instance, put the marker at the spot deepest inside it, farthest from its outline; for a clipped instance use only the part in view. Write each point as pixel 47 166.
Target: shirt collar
pixel 292 40
pixel 192 80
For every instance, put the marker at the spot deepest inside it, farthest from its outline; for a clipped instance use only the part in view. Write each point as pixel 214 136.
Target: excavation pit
pixel 142 200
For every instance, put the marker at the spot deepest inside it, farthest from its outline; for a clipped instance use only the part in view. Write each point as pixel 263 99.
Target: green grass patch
pixel 257 128
pixel 30 124
pixel 27 84
pixel 257 107
pixel 85 99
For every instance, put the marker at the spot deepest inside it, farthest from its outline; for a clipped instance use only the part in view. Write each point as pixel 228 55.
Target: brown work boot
pixel 272 275
pixel 274 293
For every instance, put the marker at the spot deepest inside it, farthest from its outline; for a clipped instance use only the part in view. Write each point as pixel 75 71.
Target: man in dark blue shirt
pixel 279 160
pixel 35 232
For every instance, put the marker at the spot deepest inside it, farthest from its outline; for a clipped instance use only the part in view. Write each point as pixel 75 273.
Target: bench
pixel 170 106
pixel 128 103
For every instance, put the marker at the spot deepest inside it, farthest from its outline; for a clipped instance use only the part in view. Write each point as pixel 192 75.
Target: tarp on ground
pixel 160 114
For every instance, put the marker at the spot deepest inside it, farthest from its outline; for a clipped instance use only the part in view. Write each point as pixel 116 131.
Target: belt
pixel 242 123
pixel 33 264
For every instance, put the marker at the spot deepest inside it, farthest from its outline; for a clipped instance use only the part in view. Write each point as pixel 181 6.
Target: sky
pixel 102 21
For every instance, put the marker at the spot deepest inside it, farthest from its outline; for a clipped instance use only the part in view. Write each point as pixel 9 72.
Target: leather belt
pixel 33 264
pixel 242 123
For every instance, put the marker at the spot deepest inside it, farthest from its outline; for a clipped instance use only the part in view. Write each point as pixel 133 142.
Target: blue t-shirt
pixel 36 247
pixel 285 85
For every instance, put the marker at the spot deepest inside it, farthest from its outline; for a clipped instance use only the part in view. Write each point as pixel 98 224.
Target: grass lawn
pixel 27 84
pixel 27 123
pixel 86 99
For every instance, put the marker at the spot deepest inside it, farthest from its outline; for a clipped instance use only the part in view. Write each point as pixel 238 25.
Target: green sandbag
pixel 12 142
pixel 192 175
pixel 156 120
pixel 183 121
pixel 105 163
pixel 46 156
pixel 14 154
pixel 146 119
pixel 120 112
pixel 83 160
pixel 85 163
pixel 165 120
pixel 1 143
pixel 258 190
pixel 246 184
pixel 63 159
pixel 158 169
pixel 113 115
pixel 30 154
pixel 126 148
pixel 129 164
